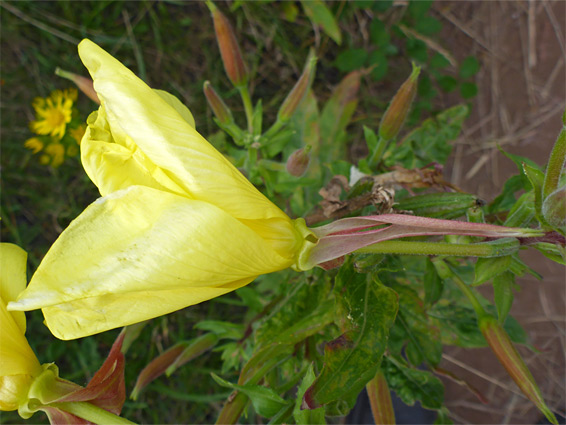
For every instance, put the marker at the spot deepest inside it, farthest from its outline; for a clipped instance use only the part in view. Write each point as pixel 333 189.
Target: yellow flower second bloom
pixel 177 223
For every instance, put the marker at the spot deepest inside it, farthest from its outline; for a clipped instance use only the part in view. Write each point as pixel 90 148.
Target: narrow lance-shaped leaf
pixel 319 14
pixel 305 416
pixel 265 401
pixel 336 116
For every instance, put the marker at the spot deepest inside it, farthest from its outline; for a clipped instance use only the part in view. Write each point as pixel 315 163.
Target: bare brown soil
pixel 522 92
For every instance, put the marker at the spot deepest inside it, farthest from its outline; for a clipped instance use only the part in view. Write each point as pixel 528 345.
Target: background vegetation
pixel 171 45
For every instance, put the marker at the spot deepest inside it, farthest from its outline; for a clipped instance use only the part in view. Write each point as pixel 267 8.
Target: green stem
pixel 248 107
pixel 378 153
pixel 91 413
pixel 271 165
pixel 233 409
pixel 445 272
pixel 272 131
pixel 433 248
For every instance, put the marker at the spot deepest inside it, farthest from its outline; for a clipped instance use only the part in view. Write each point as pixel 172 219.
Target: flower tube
pixel 177 223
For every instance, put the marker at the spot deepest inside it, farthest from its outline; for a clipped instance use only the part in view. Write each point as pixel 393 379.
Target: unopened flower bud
pixel 217 105
pixel 297 94
pixel 399 107
pixel 83 83
pixel 380 400
pixel 298 162
pixel 229 49
pixel 554 208
pixel 510 358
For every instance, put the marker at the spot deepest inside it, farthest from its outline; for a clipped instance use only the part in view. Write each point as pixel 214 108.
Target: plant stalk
pixel 248 107
pixel 91 413
pixel 431 248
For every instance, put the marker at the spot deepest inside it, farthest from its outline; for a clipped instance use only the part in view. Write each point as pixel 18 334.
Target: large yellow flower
pixel 18 364
pixel 178 224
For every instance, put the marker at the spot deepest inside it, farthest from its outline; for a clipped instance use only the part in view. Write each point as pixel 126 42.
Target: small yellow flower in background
pixel 177 225
pixel 53 113
pixel 56 153
pixel 78 133
pixel 34 144
pixel 18 363
pixel 58 132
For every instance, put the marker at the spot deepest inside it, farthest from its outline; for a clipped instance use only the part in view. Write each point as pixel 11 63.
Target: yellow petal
pixel 139 243
pixel 13 278
pixel 138 113
pixel 114 166
pixel 16 356
pixel 89 316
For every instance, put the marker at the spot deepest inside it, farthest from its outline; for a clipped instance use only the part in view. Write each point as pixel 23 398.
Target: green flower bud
pixel 217 105
pixel 399 107
pixel 298 162
pixel 510 358
pixel 554 208
pixel 297 94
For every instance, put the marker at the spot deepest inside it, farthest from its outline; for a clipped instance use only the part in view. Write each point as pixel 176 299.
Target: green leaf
pixel 458 325
pixel 222 329
pixel 469 67
pixel 378 33
pixel 503 294
pixel 487 268
pixel 251 298
pixel 416 49
pixel 507 198
pixel 447 83
pixel 336 116
pixel 555 252
pixel 371 140
pixel 296 316
pixel 363 4
pixel 378 61
pixel 418 8
pixel 413 385
pixel 414 328
pixel 319 14
pixel 536 178
pixel 443 417
pixel 429 142
pixel 439 61
pixel 257 118
pixel 351 59
pixel 306 416
pixel 428 25
pixel 433 284
pixel 523 212
pixel 266 402
pixel 367 310
pixel 468 90
pixel 382 5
